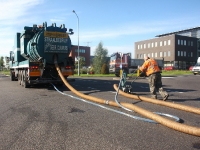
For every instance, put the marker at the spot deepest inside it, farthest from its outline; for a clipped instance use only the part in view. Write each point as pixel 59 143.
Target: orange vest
pixel 150 66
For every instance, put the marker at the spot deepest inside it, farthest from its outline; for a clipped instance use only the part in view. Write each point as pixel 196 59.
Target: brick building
pixel 84 52
pixel 179 49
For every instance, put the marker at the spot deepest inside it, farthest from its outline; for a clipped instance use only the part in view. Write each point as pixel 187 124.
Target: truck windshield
pixel 112 58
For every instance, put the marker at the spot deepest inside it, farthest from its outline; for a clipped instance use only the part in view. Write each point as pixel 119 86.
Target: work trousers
pixel 155 84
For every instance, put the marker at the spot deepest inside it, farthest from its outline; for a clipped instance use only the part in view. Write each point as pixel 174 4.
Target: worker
pixel 151 69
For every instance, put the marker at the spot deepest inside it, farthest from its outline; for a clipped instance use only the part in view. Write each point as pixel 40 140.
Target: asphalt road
pixel 40 118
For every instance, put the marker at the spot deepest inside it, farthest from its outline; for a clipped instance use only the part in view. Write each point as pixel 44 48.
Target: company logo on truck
pixel 55 42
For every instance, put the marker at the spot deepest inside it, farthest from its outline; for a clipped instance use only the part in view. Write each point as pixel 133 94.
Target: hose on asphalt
pixel 171 124
pixel 164 121
pixel 101 106
pixel 144 119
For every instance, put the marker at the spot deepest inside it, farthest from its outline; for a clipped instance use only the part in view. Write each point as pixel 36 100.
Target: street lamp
pixel 78 42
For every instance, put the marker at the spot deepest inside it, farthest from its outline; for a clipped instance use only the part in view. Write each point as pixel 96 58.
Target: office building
pixel 179 49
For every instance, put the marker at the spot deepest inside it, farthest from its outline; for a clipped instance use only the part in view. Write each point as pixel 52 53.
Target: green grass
pixel 6 72
pixel 164 73
pixel 176 72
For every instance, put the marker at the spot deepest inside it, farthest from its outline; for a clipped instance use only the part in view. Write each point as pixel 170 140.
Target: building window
pixel 155 54
pixel 191 43
pixel 152 55
pixel 148 45
pixel 156 44
pixel 152 44
pixel 181 53
pixel 169 42
pixel 165 54
pixel 184 53
pixel 198 34
pixel 141 46
pixel 80 50
pixel 185 42
pixel 148 55
pixel 165 43
pixel 160 54
pixel 168 53
pixel 191 54
pixel 138 47
pixel 178 42
pixel 144 46
pixel 181 42
pixel 188 43
pixel 178 53
pixel 160 43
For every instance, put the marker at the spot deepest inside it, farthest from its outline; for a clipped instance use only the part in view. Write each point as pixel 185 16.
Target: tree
pixel 99 57
pixel 1 61
pixel 105 69
pixel 81 64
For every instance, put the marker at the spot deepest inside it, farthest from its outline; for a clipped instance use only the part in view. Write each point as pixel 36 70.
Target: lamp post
pixel 78 42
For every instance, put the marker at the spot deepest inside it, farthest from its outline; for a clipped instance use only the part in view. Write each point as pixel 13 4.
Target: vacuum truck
pixel 34 52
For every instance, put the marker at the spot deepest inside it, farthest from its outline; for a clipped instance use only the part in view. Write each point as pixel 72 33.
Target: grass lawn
pixel 164 73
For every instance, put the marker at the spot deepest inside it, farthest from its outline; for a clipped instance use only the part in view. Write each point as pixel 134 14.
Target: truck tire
pixel 25 79
pixel 22 78
pixel 12 77
pixel 19 77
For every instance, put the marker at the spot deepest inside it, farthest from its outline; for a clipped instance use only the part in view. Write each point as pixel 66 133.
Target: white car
pixel 196 68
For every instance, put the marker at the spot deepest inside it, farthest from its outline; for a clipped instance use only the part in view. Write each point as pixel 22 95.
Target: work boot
pixel 165 97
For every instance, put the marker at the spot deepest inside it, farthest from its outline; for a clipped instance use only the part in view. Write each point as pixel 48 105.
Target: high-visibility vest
pixel 150 66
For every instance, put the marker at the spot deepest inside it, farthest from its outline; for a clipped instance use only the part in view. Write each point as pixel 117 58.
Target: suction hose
pixel 159 102
pixel 169 123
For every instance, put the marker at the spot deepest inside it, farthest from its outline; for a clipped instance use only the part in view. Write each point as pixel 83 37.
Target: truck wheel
pixel 25 80
pixel 12 77
pixel 19 77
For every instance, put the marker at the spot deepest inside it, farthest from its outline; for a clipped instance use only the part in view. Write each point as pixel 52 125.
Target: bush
pixel 91 71
pixel 104 69
pixel 83 71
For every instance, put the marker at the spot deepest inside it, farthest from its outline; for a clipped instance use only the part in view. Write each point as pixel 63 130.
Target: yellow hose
pixel 164 103
pixel 169 123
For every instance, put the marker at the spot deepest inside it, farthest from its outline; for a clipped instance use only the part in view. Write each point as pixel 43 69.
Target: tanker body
pixel 35 50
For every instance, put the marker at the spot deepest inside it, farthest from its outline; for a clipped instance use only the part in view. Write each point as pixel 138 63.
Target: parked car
pixel 190 68
pixel 169 68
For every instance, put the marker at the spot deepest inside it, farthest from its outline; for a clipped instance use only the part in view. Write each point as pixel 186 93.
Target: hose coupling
pixel 107 102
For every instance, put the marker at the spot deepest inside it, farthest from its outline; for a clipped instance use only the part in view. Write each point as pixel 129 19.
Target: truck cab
pixel 119 61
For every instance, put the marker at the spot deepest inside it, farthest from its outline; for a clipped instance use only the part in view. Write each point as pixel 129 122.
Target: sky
pixel 118 24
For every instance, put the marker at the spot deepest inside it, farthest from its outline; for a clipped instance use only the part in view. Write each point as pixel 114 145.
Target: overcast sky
pixel 116 23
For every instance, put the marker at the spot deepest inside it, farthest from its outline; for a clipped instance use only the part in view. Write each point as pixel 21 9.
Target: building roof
pixel 176 32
